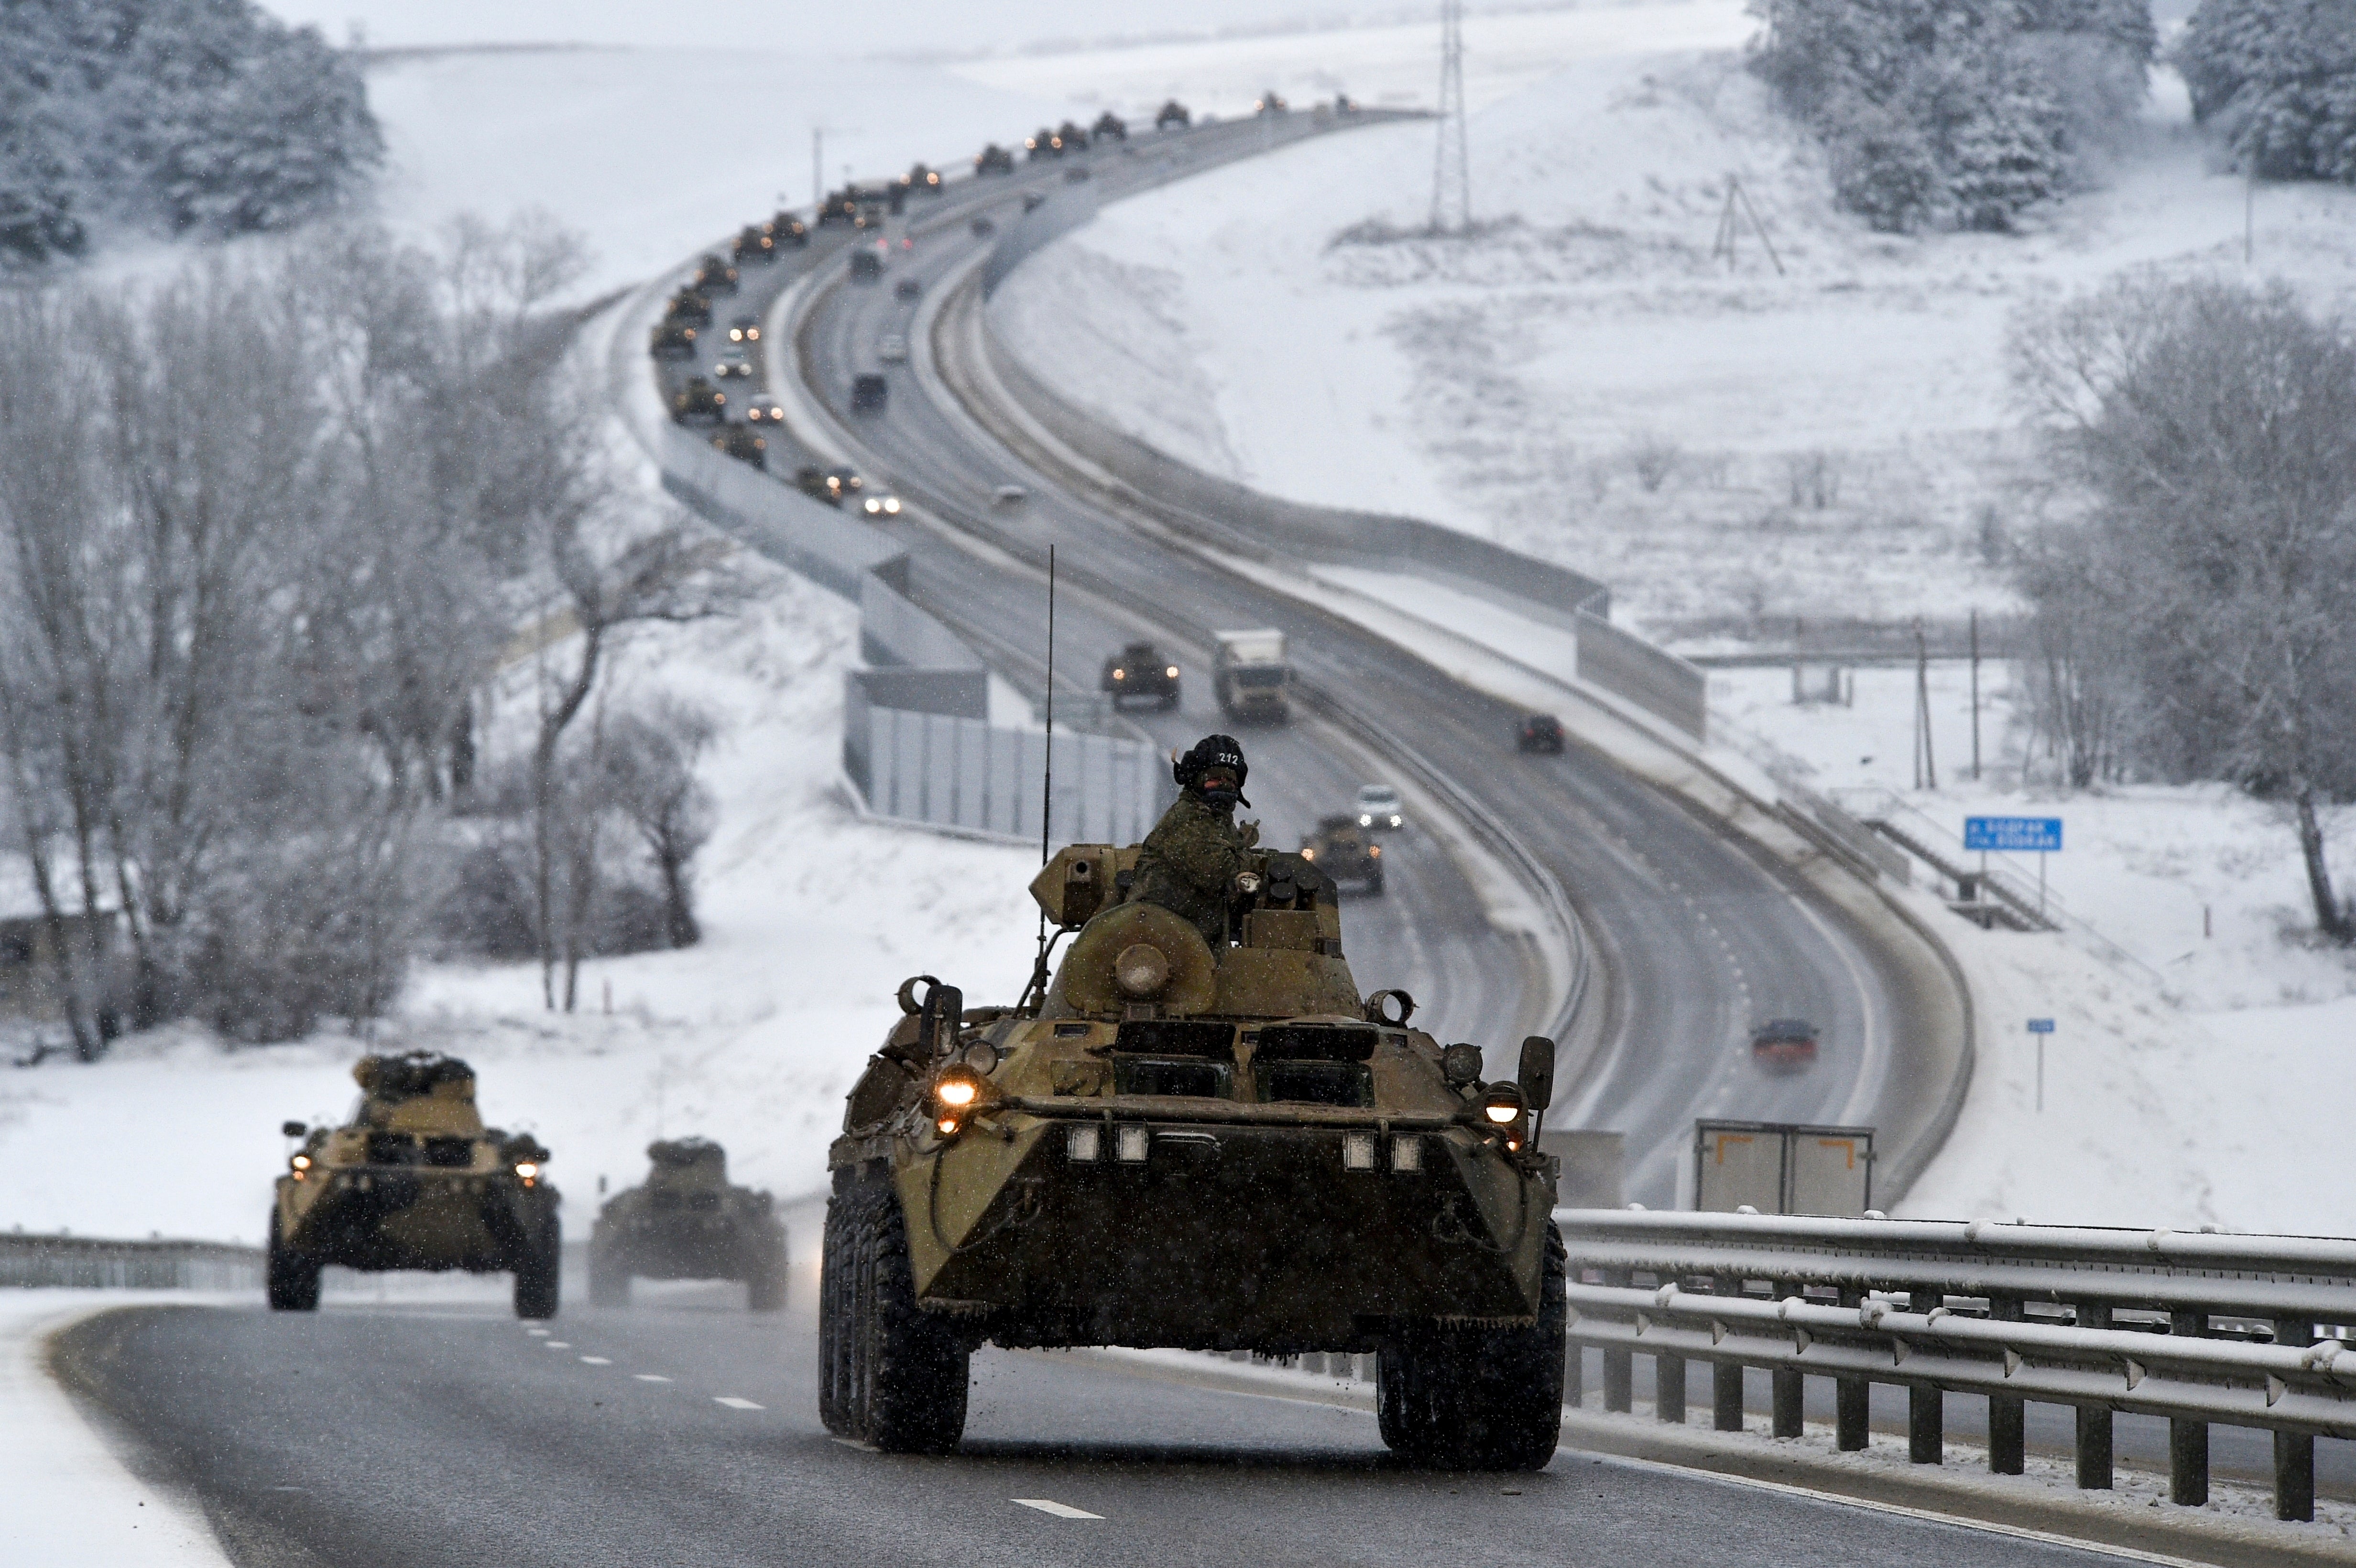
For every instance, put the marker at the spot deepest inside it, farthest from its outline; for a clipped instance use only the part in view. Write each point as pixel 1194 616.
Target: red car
pixel 1784 1045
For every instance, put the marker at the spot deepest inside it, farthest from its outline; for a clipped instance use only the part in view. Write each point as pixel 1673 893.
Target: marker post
pixel 2041 1028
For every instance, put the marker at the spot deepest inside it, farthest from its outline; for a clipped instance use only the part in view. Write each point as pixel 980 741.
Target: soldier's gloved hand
pixel 1249 832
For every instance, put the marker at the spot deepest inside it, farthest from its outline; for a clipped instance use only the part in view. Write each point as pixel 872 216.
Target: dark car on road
pixel 866 266
pixel 1043 146
pixel 909 288
pixel 869 390
pixel 1346 852
pixel 1539 732
pixel 1139 670
pixel 1784 1045
pixel 828 485
pixel 763 409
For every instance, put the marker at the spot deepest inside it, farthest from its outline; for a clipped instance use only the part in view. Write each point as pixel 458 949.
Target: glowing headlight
pixel 1172 672
pixel 527 1169
pixel 1395 819
pixel 1500 1114
pixel 1121 675
pixel 958 1092
pixel 1366 820
pixel 301 1162
pixel 1129 1145
pixel 1374 851
pixel 1309 854
pixel 1406 1156
pixel 892 505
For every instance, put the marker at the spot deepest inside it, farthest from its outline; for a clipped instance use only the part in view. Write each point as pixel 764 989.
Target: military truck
pixel 698 402
pixel 1346 852
pixel 414 1180
pixel 713 276
pixel 1140 670
pixel 744 444
pixel 687 1222
pixel 1172 1142
pixel 1249 675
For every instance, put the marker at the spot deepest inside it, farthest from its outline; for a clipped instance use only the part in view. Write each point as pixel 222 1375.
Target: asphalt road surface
pixel 687 1435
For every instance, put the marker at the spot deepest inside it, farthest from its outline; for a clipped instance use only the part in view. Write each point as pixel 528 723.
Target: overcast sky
pixel 876 26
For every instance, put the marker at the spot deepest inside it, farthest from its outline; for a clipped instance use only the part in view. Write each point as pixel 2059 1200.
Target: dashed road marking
pixel 1060 1510
pixel 733 1402
pixel 650 1377
pixel 598 1361
pixel 536 1333
pixel 557 1345
pixel 855 1442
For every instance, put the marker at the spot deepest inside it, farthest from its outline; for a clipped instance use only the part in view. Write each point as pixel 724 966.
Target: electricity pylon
pixel 1451 178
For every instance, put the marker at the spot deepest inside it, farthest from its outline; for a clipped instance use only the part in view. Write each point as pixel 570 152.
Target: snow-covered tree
pixel 2278 78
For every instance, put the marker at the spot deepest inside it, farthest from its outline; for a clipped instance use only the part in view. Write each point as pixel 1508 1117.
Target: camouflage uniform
pixel 1190 861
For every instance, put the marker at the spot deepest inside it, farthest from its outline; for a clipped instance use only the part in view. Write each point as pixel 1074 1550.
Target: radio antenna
pixel 1038 986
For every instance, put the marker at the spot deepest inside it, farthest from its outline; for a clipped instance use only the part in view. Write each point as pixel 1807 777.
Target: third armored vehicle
pixel 1140 670
pixel 1211 1146
pixel 688 1222
pixel 414 1180
pixel 1345 852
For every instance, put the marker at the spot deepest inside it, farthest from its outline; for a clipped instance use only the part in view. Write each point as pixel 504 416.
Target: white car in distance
pixel 733 363
pixel 892 349
pixel 1379 807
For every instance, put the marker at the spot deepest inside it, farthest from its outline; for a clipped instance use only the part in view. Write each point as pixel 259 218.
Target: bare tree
pixel 650 763
pixel 2213 428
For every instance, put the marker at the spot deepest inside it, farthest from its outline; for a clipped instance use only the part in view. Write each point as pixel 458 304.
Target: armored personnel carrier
pixel 1213 1146
pixel 756 242
pixel 672 341
pixel 994 159
pixel 699 399
pixel 1346 852
pixel 690 308
pixel 414 1180
pixel 742 444
pixel 713 276
pixel 688 1222
pixel 1140 670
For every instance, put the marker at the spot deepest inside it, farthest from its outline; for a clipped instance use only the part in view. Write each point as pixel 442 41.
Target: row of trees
pixel 264 533
pixel 2197 620
pixel 183 115
pixel 2277 77
pixel 1963 111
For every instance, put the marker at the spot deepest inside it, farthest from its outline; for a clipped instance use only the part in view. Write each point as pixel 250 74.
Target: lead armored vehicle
pixel 688 1222
pixel 1140 670
pixel 1346 852
pixel 1216 1146
pixel 414 1180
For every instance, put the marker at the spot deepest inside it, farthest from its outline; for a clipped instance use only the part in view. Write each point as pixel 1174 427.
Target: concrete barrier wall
pixel 964 774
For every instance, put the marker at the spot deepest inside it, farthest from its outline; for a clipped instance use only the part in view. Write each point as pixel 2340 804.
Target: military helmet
pixel 1210 753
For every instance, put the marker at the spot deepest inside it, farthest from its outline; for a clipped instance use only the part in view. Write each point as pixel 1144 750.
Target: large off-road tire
pixel 1479 1398
pixel 909 1368
pixel 537 1271
pixel 764 1283
pixel 836 1407
pixel 609 1278
pixel 291 1279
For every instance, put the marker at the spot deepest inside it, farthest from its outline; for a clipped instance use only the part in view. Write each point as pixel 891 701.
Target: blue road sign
pixel 2013 835
pixel 2041 1026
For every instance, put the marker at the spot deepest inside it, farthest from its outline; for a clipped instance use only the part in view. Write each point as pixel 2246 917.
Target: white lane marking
pixel 650 1377
pixel 557 1345
pixel 1060 1510
pixel 733 1402
pixel 536 1333
pixel 855 1442
pixel 598 1361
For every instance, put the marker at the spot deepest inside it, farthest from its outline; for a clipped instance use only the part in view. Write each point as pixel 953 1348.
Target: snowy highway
pixel 1693 937
pixel 412 1436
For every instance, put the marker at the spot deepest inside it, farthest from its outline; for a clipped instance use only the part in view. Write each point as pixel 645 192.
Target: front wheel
pixel 536 1275
pixel 1480 1399
pixel 291 1278
pixel 904 1372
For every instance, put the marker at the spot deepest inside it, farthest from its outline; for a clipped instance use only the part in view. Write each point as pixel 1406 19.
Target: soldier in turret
pixel 1188 864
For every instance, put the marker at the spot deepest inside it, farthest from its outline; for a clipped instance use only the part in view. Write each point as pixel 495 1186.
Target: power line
pixel 1451 178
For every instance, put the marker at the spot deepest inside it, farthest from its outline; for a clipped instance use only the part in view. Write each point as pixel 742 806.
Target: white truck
pixel 1250 675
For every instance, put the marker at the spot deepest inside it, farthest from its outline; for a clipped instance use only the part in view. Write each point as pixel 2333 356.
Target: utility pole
pixel 818 169
pixel 1451 176
pixel 1926 774
pixel 1975 696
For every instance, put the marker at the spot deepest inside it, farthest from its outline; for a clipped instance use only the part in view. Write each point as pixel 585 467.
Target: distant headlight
pixel 891 505
pixel 1121 675
pixel 1395 819
pixel 1366 819
pixel 527 1169
pixel 1172 672
pixel 1374 851
pixel 301 1162
pixel 752 334
pixel 1309 854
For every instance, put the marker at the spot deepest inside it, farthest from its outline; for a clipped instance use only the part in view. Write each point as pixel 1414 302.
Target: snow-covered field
pixel 1724 443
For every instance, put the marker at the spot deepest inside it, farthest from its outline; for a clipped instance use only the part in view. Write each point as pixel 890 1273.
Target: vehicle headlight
pixel 1309 854
pixel 752 334
pixel 527 1169
pixel 1395 819
pixel 301 1162
pixel 1121 675
pixel 1500 1111
pixel 891 505
pixel 1172 672
pixel 1366 819
pixel 1374 851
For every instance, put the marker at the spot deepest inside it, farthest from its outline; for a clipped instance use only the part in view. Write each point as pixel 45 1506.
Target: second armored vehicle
pixel 414 1180
pixel 1345 852
pixel 1139 670
pixel 1207 1145
pixel 688 1222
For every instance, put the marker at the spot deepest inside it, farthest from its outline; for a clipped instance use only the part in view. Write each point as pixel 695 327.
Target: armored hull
pixel 687 1222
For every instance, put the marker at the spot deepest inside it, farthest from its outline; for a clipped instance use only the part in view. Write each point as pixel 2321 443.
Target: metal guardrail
pixel 89 1263
pixel 2198 1327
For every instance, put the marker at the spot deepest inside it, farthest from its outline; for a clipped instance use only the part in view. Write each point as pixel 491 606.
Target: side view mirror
pixel 943 1017
pixel 1537 1071
pixel 292 1129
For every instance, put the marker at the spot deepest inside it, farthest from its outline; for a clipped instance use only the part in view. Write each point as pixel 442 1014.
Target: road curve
pixel 1698 935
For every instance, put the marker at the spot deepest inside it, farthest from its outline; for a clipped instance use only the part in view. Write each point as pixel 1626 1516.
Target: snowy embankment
pixel 1834 441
